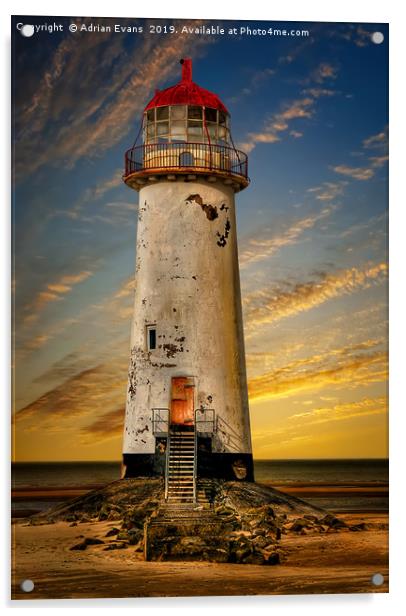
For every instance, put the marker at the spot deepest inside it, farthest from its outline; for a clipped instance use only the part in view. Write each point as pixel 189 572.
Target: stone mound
pixel 244 522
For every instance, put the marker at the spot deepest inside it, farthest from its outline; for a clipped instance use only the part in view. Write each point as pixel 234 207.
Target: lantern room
pixel 185 131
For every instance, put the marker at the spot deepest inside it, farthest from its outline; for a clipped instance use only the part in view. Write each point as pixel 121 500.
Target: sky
pixel 311 112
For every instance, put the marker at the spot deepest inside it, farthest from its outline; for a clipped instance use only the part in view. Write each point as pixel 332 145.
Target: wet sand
pixel 334 562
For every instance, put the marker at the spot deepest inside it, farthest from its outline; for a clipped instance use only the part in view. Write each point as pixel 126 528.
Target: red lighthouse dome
pixel 186 92
pixel 185 131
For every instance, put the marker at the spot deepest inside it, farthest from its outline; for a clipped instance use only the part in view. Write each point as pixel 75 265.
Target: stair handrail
pixel 158 419
pixel 168 447
pixel 195 466
pixel 211 421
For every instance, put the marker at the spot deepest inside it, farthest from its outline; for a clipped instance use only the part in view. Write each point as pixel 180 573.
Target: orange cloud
pixel 109 425
pixel 366 406
pixel 88 393
pixel 355 371
pixel 54 292
pixel 127 289
pixel 270 305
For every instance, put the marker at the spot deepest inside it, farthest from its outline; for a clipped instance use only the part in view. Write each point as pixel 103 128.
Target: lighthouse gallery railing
pixel 204 156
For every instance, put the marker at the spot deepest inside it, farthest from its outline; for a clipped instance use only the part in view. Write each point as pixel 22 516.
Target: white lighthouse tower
pixel 187 412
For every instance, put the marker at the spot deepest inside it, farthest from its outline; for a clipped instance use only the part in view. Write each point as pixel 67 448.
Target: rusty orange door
pixel 182 400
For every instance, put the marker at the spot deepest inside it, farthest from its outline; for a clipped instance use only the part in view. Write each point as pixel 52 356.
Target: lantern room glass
pixel 186 123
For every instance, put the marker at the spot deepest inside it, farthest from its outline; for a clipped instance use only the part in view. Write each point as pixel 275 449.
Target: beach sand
pixel 334 562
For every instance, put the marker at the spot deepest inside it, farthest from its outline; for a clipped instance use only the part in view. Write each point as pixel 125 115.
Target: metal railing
pixel 160 420
pixel 195 466
pixel 202 156
pixel 205 420
pixel 168 446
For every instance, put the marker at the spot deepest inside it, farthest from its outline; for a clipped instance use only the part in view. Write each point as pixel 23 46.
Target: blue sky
pixel 311 112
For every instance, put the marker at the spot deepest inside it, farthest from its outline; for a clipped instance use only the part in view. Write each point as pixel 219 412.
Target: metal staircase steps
pixel 181 464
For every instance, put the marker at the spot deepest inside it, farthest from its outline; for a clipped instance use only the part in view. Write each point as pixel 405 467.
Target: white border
pixel 295 10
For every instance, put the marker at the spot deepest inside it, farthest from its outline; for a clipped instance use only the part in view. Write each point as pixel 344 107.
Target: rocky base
pixel 244 523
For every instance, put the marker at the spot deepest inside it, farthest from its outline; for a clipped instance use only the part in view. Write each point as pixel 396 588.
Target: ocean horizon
pixel 357 481
pixel 285 471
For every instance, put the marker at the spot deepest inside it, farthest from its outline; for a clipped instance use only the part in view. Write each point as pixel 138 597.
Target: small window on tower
pixel 151 337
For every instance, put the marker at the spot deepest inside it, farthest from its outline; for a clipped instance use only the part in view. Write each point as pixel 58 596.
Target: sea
pixel 336 485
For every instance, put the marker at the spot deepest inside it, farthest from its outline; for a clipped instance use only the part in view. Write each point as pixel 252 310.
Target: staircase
pixel 181 476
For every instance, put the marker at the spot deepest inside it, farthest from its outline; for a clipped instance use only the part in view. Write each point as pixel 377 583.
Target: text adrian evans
pixel 202 30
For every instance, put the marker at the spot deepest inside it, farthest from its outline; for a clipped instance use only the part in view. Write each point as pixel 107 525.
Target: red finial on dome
pixel 186 69
pixel 186 92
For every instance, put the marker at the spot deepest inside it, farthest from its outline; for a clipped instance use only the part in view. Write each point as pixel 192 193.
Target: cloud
pixel 328 191
pixel 343 411
pixel 109 425
pixel 298 109
pixel 318 92
pixel 352 33
pixel 37 342
pixel 375 142
pixel 53 292
pixel 273 304
pixel 279 122
pixel 266 243
pixel 357 173
pixel 323 72
pixel 380 140
pixel 127 289
pixel 107 103
pixel 351 371
pixel 89 393
pixel 96 192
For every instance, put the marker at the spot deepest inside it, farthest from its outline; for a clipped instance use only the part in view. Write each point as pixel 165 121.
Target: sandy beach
pixel 336 562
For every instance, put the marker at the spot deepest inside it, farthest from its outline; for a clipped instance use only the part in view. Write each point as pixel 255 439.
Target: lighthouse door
pixel 182 401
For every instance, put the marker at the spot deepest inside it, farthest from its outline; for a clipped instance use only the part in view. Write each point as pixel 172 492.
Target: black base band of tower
pixel 227 466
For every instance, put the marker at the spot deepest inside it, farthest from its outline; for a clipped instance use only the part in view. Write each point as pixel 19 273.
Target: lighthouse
pixel 187 414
